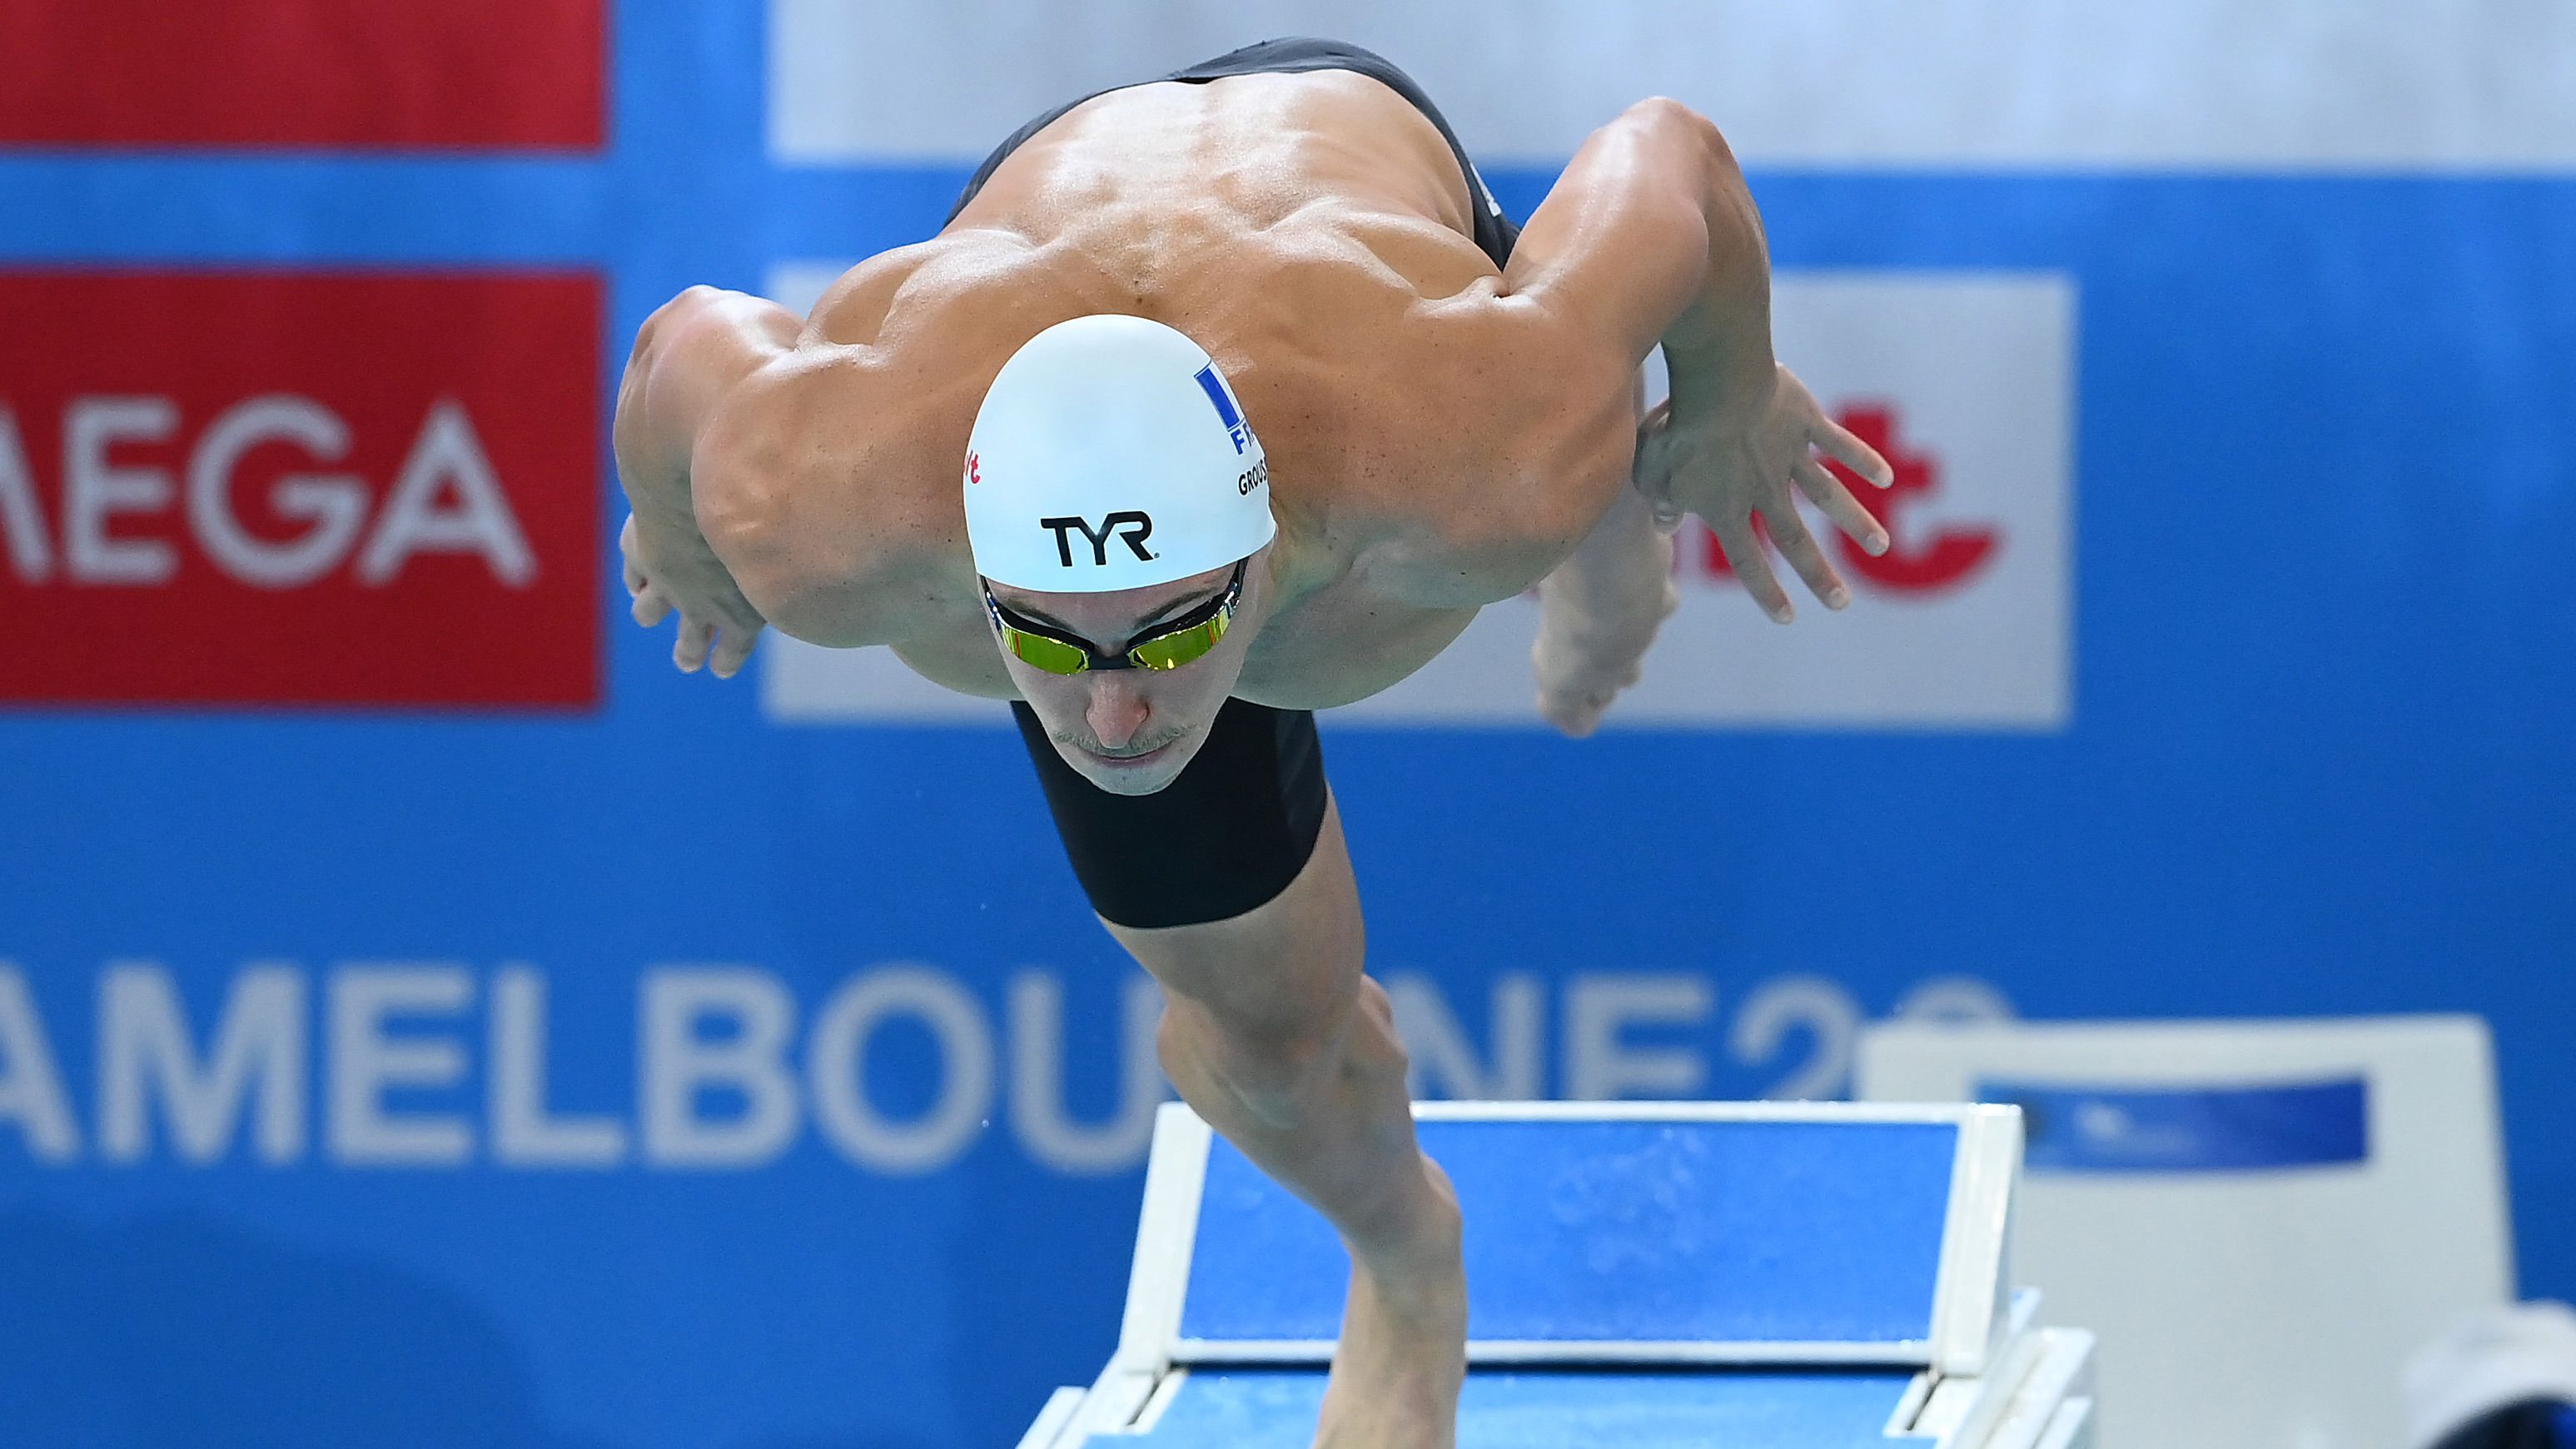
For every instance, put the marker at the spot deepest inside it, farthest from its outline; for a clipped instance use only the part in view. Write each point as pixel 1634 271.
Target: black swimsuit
pixel 1241 821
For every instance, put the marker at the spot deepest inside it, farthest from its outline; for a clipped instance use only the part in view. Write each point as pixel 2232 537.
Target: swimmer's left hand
pixel 1755 465
pixel 1576 683
pixel 1599 611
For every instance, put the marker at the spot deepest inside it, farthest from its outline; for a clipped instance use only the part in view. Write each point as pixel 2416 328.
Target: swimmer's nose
pixel 1115 715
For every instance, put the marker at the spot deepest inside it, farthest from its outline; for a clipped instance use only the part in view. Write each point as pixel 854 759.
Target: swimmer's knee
pixel 1271 1072
pixel 1282 1072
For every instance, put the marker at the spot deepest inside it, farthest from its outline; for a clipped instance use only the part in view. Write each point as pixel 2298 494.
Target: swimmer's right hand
pixel 689 356
pixel 672 570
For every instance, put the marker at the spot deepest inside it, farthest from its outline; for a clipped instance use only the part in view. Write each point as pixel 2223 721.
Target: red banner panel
pixel 228 488
pixel 436 74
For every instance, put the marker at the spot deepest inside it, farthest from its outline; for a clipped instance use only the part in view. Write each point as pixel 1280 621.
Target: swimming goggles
pixel 1168 646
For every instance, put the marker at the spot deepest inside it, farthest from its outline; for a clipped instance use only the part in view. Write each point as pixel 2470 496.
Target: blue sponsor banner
pixel 2190 1129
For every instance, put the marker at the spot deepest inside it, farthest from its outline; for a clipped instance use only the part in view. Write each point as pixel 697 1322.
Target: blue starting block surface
pixel 1619 1232
pixel 1639 1274
pixel 1558 1409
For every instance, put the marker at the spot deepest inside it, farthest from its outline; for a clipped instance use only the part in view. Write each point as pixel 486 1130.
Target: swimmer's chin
pixel 1143 774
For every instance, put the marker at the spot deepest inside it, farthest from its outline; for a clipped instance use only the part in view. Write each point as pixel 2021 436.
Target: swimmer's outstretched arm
pixel 1651 238
pixel 690 356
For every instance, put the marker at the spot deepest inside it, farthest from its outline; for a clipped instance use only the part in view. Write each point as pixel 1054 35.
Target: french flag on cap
pixel 1225 408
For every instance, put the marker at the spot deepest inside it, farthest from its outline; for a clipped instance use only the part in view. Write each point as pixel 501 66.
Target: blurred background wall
pixel 425 1018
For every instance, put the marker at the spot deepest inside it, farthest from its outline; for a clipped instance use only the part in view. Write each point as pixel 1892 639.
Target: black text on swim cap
pixel 1132 527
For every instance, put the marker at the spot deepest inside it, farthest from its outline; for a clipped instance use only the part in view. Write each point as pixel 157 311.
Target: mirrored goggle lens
pixel 1040 652
pixel 1171 651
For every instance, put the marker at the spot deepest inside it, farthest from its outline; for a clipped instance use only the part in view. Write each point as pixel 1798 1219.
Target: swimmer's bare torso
pixel 1290 224
pixel 1440 434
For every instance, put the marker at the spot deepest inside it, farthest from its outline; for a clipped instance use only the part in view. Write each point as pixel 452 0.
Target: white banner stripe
pixel 2346 85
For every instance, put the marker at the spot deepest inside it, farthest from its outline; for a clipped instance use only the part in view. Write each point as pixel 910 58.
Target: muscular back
pixel 1430 450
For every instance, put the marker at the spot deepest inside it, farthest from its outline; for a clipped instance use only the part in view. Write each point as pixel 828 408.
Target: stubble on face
pixel 1140 773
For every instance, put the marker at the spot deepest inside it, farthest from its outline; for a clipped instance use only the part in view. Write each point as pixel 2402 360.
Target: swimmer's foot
pixel 1403 1352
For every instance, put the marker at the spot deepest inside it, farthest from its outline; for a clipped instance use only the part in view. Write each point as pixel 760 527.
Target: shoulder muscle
pixel 1513 435
pixel 821 493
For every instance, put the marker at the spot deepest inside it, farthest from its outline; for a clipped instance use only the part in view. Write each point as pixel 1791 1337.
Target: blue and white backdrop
pixel 736 1065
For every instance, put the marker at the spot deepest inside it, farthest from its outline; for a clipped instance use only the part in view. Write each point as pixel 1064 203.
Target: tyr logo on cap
pixel 1131 527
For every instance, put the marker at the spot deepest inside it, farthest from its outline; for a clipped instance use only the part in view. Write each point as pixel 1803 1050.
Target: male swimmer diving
pixel 1222 399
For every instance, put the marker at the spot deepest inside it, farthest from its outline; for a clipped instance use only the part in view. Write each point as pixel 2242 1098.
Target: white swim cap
pixel 1110 454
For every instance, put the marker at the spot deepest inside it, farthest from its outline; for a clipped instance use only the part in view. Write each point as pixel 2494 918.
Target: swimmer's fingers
pixel 690 651
pixel 1799 547
pixel 1651 473
pixel 1828 493
pixel 651 606
pixel 1845 447
pixel 732 650
pixel 1752 567
pixel 628 546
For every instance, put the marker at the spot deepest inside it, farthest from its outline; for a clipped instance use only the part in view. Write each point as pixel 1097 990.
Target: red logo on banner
pixel 342 73
pixel 1914 562
pixel 223 488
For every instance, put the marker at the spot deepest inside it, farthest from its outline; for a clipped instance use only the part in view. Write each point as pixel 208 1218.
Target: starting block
pixel 1766 1275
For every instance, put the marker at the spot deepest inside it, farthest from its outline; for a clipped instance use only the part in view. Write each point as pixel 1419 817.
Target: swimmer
pixel 1219 400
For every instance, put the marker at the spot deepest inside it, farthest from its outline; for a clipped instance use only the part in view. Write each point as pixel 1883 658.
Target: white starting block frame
pixel 1729 1251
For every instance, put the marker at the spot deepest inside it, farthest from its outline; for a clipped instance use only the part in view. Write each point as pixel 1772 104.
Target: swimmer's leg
pixel 1272 1034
